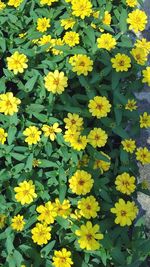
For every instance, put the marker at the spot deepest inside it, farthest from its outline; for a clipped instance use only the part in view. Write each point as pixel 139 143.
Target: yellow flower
pixel 33 135
pixel 107 18
pixel 145 184
pixel 81 64
pixel 58 42
pixel 146 76
pixel 125 183
pixel 41 234
pixel 131 3
pixel 45 39
pixel 97 137
pixel 62 258
pixel 137 20
pixel 131 105
pixel 143 44
pixel 145 120
pixel 139 55
pixel 101 164
pixel 71 38
pixel 18 223
pixel 47 2
pixel 17 62
pixel 14 3
pixel 125 212
pixel 106 41
pixel 21 35
pixel 81 182
pixel 99 106
pixel 78 142
pixel 73 120
pixel 56 82
pixel 3 136
pixel 76 215
pixel 68 23
pixel 47 212
pixel 43 24
pixel 121 62
pixel 62 209
pixel 36 163
pixel 143 155
pixel 71 134
pixel 88 236
pixel 51 131
pixel 88 207
pixel 2 5
pixel 2 220
pixel 25 192
pixel 81 8
pixel 9 103
pixel 129 145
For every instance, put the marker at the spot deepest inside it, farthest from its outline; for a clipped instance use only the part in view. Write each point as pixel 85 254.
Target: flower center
pixel 123 213
pixel 89 237
pixel 81 182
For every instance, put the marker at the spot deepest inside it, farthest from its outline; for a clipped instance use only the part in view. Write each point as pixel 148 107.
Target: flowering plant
pixel 68 126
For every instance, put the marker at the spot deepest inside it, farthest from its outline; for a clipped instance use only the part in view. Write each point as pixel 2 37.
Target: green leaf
pixel 30 83
pixel 123 21
pixel 47 164
pixel 11 134
pixel 29 162
pixel 46 250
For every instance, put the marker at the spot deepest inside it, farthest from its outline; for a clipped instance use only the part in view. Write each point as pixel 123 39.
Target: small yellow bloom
pixel 131 105
pixel 62 209
pixel 33 135
pixel 51 131
pixel 58 42
pixel 17 62
pixel 88 236
pixel 18 223
pixel 56 82
pixel 71 134
pixel 9 103
pixel 139 55
pixel 45 39
pixel 14 3
pixel 145 120
pixel 2 5
pixel 88 207
pixel 41 234
pixel 83 161
pixel 68 23
pixel 106 41
pixel 21 35
pixel 131 3
pixel 99 106
pixel 25 192
pixel 146 76
pixel 2 220
pixel 3 136
pixel 125 212
pixel 125 183
pixel 73 120
pixel 43 24
pixel 97 137
pixel 71 38
pixel 47 212
pixel 121 62
pixel 81 64
pixel 62 258
pixel 81 8
pixel 107 18
pixel 101 164
pixel 143 44
pixel 128 145
pixel 137 20
pixel 78 142
pixel 47 2
pixel 143 155
pixel 81 182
